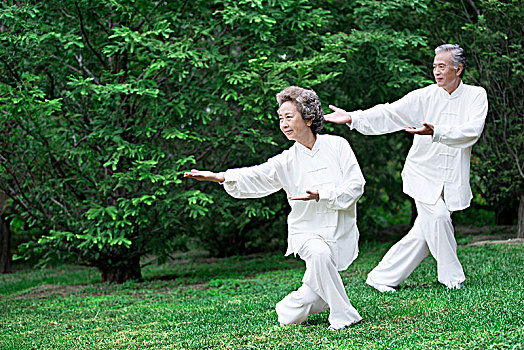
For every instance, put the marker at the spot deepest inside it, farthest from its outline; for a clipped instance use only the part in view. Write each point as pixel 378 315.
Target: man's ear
pixel 459 70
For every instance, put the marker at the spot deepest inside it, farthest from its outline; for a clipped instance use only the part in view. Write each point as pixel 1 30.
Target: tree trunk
pixel 5 247
pixel 5 238
pixel 520 221
pixel 505 216
pixel 124 271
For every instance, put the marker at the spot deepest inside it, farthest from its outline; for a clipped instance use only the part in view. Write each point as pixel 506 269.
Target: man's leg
pixel 401 259
pixel 439 235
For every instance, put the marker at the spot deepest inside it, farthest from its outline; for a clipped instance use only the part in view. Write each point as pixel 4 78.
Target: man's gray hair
pixel 458 56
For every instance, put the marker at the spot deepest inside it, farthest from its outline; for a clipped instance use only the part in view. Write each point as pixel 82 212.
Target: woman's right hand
pixel 339 116
pixel 203 175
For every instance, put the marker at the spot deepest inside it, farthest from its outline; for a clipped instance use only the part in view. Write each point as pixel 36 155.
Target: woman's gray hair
pixel 307 103
pixel 458 56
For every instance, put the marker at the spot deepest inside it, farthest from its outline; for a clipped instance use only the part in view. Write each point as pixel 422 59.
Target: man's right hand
pixel 339 116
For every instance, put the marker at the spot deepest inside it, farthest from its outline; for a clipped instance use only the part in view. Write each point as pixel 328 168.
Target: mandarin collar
pixel 454 94
pixel 310 152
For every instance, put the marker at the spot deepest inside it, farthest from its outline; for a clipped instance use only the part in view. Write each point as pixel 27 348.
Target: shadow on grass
pixel 201 269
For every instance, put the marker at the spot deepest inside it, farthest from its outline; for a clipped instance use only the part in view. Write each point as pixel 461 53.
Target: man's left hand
pixel 310 195
pixel 427 129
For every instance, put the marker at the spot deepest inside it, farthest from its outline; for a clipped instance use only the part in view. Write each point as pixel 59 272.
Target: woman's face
pixel 291 122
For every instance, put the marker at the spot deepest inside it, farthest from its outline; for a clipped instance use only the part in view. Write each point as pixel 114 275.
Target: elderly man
pixel 446 118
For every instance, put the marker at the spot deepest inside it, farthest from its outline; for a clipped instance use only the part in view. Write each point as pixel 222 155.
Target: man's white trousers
pixel 432 232
pixel 322 289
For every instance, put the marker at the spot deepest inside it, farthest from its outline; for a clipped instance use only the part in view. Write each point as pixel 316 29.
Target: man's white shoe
pixel 337 327
pixel 382 288
pixel 454 285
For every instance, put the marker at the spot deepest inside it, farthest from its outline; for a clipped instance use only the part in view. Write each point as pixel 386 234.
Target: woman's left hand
pixel 310 195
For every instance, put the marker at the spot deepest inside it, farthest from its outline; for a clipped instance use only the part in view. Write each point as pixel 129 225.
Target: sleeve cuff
pixel 355 117
pixel 437 133
pixel 229 177
pixel 324 195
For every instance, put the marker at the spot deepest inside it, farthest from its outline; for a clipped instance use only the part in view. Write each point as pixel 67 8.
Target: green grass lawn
pixel 199 303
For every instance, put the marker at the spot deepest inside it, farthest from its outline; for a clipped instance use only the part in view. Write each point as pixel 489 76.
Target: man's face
pixel 445 75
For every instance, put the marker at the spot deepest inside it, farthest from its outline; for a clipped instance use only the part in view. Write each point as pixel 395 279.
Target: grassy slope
pixel 229 304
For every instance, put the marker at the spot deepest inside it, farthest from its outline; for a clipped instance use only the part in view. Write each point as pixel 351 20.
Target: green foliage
pixel 229 304
pixel 386 56
pixel 498 38
pixel 491 32
pixel 105 105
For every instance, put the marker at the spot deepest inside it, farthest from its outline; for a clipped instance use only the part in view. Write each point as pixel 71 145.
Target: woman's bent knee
pixel 321 254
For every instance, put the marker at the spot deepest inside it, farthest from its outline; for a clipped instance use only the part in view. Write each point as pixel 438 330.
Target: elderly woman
pixel 323 182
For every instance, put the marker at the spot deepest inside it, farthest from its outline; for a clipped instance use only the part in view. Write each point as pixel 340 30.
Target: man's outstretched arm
pixel 339 116
pixel 383 118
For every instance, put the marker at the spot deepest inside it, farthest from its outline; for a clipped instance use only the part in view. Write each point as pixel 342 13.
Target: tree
pixel 499 61
pixel 105 105
pixel 491 32
pixel 386 56
pixel 5 237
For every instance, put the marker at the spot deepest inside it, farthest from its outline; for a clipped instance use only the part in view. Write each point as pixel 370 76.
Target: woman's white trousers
pixel 322 289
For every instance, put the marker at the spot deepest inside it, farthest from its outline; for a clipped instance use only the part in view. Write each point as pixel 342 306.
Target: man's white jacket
pixel 440 163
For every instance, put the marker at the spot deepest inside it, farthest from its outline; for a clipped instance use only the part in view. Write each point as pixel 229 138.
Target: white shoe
pixel 382 288
pixel 454 285
pixel 337 327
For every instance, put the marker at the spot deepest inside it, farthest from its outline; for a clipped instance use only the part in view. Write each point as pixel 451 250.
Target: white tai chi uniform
pixel 324 233
pixel 436 173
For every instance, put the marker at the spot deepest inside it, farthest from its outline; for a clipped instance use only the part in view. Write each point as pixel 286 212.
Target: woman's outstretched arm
pixel 204 175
